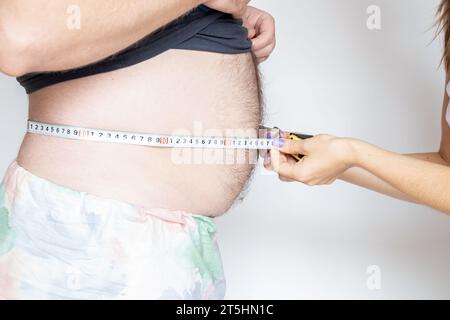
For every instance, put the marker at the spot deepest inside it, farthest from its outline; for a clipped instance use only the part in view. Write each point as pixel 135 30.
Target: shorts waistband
pixel 16 175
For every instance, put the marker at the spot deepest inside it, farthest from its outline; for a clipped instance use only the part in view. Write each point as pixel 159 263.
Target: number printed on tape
pixel 151 140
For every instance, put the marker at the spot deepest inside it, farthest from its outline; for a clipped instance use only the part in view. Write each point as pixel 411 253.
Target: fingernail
pixel 278 143
pixel 269 135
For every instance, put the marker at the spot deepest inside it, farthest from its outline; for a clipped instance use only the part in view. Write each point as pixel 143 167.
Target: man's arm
pixel 43 35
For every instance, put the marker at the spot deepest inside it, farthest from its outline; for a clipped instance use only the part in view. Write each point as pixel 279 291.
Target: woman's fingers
pixel 326 158
pixel 294 162
pixel 291 146
pixel 268 162
pixel 285 179
pixel 283 158
pixel 282 165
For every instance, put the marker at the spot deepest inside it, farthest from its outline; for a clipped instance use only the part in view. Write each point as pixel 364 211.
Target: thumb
pixel 290 146
pixel 251 32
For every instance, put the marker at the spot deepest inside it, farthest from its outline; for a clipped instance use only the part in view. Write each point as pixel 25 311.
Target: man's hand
pixel 260 24
pixel 261 30
pixel 235 7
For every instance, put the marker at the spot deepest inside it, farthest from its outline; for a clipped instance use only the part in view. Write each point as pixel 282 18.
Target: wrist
pixel 348 151
pixel 357 148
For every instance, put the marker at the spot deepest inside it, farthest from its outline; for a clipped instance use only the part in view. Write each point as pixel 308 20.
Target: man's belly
pixel 178 92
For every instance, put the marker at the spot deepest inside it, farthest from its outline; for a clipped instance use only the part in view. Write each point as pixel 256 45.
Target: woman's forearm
pixel 414 177
pixel 42 35
pixel 421 178
pixel 366 179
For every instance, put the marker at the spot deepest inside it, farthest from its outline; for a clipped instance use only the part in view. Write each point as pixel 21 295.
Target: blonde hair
pixel 443 25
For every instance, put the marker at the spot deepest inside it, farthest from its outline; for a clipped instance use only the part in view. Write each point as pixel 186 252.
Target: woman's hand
pixel 325 159
pixel 261 31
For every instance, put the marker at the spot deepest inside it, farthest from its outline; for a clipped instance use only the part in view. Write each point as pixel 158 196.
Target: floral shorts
pixel 57 243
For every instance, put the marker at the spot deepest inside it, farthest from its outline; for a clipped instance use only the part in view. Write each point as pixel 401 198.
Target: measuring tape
pixel 145 139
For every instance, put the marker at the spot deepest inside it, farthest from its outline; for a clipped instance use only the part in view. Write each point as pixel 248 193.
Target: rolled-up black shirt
pixel 202 29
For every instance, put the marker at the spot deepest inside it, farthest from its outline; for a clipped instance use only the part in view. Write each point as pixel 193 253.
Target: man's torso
pixel 179 91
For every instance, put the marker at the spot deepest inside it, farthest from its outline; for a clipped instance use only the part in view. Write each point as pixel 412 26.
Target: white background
pixel 330 74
